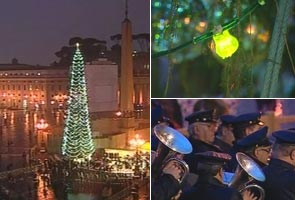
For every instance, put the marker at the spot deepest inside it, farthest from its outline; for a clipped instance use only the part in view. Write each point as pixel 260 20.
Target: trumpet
pixel 171 143
pixel 246 171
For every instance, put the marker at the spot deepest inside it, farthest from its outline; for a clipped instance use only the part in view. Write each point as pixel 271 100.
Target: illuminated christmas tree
pixel 77 138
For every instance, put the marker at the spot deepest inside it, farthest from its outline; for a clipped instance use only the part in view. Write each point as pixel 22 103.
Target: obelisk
pixel 126 90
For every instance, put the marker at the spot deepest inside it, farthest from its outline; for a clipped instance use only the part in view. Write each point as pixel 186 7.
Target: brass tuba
pixel 245 173
pixel 171 144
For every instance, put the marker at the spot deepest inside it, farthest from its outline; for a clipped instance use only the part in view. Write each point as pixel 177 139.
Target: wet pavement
pixel 18 136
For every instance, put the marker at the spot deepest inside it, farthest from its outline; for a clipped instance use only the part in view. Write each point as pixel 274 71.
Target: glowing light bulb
pixel 225 44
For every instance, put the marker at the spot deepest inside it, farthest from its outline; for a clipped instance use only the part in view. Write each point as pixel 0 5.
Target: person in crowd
pixel 202 128
pixel 245 124
pixel 257 146
pixel 224 136
pixel 135 192
pixel 218 105
pixel 107 191
pixel 280 173
pixel 209 185
pixel 156 118
pixel 171 110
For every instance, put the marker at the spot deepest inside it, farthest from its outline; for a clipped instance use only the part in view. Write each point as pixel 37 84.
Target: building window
pixel 25 87
pixel 13 87
pixel 59 87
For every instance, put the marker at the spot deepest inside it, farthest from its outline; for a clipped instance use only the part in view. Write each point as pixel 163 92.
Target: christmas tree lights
pixel 77 138
pixel 197 39
pixel 225 44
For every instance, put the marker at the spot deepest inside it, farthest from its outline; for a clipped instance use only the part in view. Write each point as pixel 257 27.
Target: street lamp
pixel 136 142
pixel 41 126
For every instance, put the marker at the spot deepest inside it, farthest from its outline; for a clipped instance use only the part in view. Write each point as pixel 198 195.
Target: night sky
pixel 33 30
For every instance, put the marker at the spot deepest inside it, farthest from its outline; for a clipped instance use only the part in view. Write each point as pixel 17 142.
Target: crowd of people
pixel 216 141
pixel 110 170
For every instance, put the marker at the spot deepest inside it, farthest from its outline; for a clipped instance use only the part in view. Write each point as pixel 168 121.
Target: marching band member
pixel 257 146
pixel 167 186
pixel 243 125
pixel 224 137
pixel 280 173
pixel 202 128
pixel 246 124
pixel 209 185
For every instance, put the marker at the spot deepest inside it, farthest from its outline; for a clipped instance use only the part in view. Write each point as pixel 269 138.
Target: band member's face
pixel 227 134
pixel 251 129
pixel 263 154
pixel 206 131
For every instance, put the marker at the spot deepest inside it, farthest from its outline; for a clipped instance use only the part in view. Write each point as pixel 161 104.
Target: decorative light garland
pixel 77 139
pixel 226 26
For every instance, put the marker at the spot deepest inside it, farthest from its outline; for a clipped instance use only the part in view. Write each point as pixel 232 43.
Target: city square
pixel 79 128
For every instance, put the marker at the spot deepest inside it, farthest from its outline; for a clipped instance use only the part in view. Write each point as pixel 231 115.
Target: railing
pixel 17 172
pixel 13 150
pixel 120 195
pixel 127 191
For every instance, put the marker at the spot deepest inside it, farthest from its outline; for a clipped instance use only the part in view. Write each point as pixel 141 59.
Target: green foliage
pixel 197 71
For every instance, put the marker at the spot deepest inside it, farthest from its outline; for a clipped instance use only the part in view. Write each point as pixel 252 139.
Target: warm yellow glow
pixel 77 45
pixel 263 36
pixel 225 44
pixel 12 118
pixel 250 29
pixel 140 97
pixel 187 20
pixel 42 125
pixel 278 108
pixel 201 26
pixel 136 142
pixel 119 113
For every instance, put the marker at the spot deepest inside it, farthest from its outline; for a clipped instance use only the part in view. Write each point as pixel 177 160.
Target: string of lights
pixel 220 30
pixel 77 140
